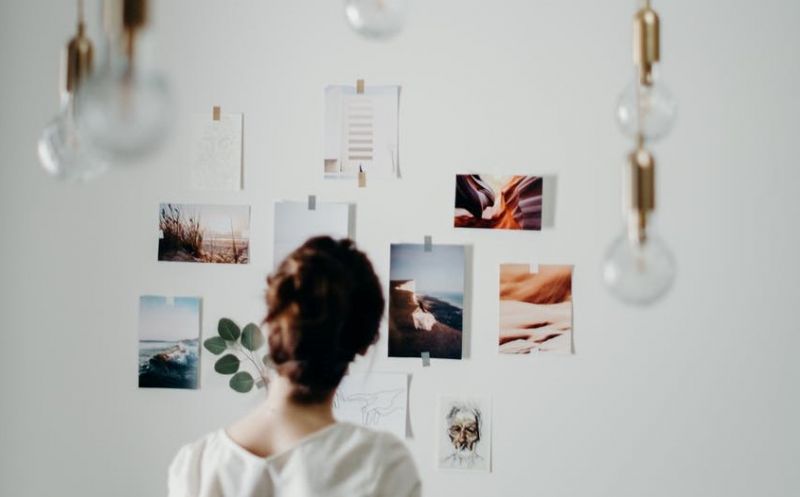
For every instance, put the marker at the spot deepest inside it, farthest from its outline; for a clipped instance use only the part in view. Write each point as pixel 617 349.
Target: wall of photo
pixel 694 396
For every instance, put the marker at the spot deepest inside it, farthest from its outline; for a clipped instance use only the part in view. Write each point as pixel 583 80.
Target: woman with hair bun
pixel 325 305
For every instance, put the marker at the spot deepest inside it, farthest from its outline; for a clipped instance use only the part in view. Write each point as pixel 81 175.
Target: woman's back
pixel 324 308
pixel 341 459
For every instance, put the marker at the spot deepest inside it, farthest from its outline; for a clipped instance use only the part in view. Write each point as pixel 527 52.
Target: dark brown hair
pixel 325 305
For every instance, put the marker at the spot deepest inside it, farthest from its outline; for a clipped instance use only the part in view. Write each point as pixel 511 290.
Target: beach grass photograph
pixel 204 233
pixel 426 300
pixel 535 309
pixel 498 202
pixel 169 342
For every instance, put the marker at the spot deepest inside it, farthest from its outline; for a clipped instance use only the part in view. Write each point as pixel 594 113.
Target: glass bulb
pixel 639 273
pixel 650 110
pixel 126 112
pixel 376 18
pixel 63 151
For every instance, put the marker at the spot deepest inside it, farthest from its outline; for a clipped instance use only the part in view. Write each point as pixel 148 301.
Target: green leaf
pixel 227 364
pixel 242 382
pixel 266 360
pixel 228 329
pixel 252 339
pixel 215 345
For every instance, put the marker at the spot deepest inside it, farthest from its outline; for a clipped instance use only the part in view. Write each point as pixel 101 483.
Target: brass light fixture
pixel 80 54
pixel 63 152
pixel 639 268
pixel 127 104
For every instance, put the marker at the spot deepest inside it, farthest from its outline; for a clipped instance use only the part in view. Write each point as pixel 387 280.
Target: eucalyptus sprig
pixel 239 344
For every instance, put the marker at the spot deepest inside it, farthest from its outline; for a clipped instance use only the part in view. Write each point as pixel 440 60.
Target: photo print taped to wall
pixel 464 433
pixel 204 233
pixel 216 154
pixel 362 132
pixel 498 202
pixel 296 222
pixel 169 342
pixel 426 300
pixel 535 309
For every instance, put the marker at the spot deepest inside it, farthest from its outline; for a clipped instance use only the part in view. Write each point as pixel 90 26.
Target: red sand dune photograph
pixel 498 202
pixel 535 309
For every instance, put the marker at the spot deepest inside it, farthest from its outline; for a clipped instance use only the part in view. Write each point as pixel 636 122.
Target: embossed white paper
pixel 217 152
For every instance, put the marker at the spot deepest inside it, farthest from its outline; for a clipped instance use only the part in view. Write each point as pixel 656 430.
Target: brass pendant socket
pixel 640 189
pixel 120 16
pixel 646 42
pixel 134 14
pixel 80 59
pixel 123 20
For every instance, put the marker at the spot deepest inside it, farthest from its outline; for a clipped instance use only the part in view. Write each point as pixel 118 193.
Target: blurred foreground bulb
pixel 126 105
pixel 376 18
pixel 63 152
pixel 646 109
pixel 639 268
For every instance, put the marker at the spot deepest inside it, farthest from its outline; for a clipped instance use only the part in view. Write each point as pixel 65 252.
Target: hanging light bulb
pixel 639 268
pixel 378 19
pixel 63 152
pixel 126 105
pixel 646 106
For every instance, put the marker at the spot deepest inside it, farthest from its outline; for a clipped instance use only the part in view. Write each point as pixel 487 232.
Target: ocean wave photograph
pixel 168 364
pixel 169 342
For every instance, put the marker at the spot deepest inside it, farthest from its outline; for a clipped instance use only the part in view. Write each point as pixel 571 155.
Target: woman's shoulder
pixel 383 455
pixel 200 447
pixel 192 459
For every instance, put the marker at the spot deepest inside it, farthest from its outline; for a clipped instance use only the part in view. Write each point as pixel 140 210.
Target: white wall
pixel 697 396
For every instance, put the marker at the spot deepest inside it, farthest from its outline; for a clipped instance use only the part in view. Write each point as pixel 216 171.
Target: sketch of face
pixel 464 428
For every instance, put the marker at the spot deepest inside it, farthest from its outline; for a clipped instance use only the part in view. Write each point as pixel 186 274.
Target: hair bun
pixel 325 305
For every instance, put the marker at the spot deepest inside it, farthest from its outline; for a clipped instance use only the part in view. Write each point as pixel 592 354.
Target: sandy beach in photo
pixel 535 309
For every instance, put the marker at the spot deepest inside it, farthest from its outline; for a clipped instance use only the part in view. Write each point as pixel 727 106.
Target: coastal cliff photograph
pixel 535 309
pixel 426 300
pixel 169 336
pixel 498 202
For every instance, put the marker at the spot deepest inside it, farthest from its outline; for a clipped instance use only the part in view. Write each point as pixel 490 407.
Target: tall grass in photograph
pixel 204 233
pixel 178 233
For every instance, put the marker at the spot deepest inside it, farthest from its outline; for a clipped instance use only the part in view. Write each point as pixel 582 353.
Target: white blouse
pixel 342 459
